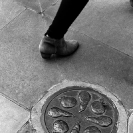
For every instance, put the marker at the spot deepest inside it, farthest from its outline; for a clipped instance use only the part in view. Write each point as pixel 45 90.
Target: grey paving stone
pixel 49 14
pixel 19 56
pixel 110 22
pixel 27 128
pixel 8 11
pixel 12 116
pixel 30 4
pixel 25 76
pixel 37 5
pixel 100 64
pixel 45 4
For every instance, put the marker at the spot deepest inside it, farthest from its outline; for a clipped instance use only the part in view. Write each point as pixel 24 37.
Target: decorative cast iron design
pixel 92 129
pixel 68 102
pixel 97 107
pixel 80 110
pixel 84 98
pixel 76 128
pixel 60 126
pixel 57 112
pixel 103 121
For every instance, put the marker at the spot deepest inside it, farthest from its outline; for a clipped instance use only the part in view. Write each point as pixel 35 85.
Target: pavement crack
pixel 13 19
pixel 74 30
pixel 53 4
pixel 41 97
pixel 43 11
pixel 14 101
pixel 40 5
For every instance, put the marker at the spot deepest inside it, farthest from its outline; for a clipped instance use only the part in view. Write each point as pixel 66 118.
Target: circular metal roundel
pixel 79 110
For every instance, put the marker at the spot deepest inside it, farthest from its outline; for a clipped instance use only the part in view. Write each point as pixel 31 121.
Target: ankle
pixel 56 38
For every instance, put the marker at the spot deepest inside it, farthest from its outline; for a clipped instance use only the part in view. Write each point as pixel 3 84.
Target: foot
pixel 62 48
pixel 45 47
pixel 66 48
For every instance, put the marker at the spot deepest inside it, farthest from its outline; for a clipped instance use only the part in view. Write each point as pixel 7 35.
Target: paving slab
pixel 36 5
pixel 46 4
pixel 12 116
pixel 23 75
pixel 50 13
pixel 110 22
pixel 9 10
pixel 30 4
pixel 26 77
pixel 98 63
pixel 27 128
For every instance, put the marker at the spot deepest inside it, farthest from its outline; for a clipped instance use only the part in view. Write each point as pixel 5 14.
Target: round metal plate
pixel 79 110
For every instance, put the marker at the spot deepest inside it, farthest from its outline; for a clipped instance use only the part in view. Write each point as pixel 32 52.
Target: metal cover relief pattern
pixel 79 110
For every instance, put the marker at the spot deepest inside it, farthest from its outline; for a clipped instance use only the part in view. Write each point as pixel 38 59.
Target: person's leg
pixel 66 14
pixel 53 42
pixel 131 2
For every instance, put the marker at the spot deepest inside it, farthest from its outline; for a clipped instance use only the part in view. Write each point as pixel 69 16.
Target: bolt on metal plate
pixel 79 110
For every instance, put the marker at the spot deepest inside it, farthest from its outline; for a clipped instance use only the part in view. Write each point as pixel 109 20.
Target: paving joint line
pixel 31 10
pixel 40 5
pixel 72 29
pixel 29 121
pixel 14 101
pixel 43 11
pixel 23 126
pixel 45 92
pixel 13 19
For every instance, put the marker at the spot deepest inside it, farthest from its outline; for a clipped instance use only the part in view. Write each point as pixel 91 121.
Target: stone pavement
pixel 104 30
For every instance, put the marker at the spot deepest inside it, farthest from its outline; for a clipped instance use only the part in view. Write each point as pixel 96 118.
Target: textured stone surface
pixel 27 128
pixel 23 74
pixel 30 4
pixel 109 22
pixel 97 63
pixel 51 12
pixel 130 122
pixel 8 11
pixel 37 5
pixel 45 4
pixel 12 116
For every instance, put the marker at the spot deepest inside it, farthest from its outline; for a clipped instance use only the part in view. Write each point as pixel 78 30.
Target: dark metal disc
pixel 79 109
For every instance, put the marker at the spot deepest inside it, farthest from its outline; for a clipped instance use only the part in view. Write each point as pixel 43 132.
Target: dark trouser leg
pixel 66 14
